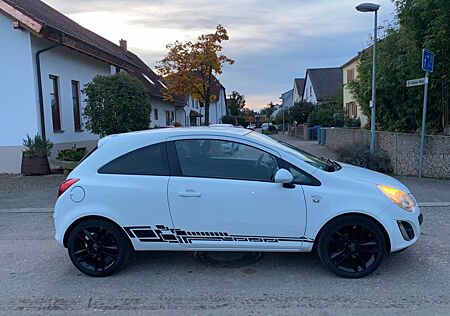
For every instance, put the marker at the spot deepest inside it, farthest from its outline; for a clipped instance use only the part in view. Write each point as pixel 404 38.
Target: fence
pixel 402 148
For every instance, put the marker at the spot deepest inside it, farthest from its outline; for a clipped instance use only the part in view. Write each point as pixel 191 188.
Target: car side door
pixel 222 195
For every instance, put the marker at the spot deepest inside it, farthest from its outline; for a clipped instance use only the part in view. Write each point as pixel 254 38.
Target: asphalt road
pixel 36 277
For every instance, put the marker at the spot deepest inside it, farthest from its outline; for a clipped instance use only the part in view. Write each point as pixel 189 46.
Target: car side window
pixel 149 160
pixel 224 159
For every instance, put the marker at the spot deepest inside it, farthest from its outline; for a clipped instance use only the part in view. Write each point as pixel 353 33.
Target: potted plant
pixel 35 156
pixel 69 158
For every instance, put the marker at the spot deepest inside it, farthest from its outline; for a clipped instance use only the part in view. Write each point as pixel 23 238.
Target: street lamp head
pixel 367 7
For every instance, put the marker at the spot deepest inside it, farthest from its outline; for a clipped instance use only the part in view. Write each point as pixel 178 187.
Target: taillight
pixel 65 185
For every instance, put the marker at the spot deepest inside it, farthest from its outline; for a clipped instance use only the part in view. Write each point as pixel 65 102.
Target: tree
pixel 236 103
pixel 300 112
pixel 328 113
pixel 418 24
pixel 268 110
pixel 116 104
pixel 190 68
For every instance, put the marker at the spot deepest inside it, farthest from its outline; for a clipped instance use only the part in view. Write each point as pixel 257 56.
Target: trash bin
pixel 316 132
pixel 322 136
pixel 308 133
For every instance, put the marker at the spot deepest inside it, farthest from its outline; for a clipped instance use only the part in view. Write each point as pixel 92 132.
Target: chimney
pixel 123 44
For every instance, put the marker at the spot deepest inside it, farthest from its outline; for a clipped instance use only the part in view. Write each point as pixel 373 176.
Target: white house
pixel 46 59
pixel 322 84
pixel 195 111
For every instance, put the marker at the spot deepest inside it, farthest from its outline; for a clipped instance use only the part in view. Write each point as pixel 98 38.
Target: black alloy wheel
pixel 98 248
pixel 352 246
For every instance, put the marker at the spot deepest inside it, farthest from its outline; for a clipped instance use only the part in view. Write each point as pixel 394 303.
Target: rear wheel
pixel 352 246
pixel 98 248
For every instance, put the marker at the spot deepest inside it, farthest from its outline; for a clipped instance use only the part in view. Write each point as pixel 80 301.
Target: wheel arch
pixel 371 218
pixel 87 217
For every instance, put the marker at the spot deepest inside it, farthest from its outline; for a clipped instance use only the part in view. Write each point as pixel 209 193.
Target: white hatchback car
pixel 228 189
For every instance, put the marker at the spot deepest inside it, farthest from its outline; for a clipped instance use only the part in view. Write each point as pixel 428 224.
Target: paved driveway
pixel 36 277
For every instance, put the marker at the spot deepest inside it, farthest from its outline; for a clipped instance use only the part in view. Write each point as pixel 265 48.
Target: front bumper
pixel 403 227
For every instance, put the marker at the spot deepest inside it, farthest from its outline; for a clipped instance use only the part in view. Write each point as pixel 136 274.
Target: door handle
pixel 189 193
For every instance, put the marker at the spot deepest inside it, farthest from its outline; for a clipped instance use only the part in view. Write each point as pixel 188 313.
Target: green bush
pixel 229 119
pixel 36 147
pixel 358 154
pixel 329 114
pixel 272 128
pixel 116 104
pixel 71 154
pixel 349 122
pixel 300 112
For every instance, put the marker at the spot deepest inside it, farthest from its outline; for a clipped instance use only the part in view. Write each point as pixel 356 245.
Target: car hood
pixel 366 175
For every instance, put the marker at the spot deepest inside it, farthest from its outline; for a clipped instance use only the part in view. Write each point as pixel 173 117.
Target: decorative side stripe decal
pixel 162 233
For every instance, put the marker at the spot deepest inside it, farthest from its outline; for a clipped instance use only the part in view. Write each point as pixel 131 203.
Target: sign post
pixel 427 66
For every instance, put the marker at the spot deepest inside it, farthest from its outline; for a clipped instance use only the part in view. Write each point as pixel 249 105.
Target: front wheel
pixel 352 246
pixel 98 248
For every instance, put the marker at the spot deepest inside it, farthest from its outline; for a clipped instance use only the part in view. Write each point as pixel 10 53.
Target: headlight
pixel 402 199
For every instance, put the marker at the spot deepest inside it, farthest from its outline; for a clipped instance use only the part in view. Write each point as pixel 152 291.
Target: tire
pixel 98 248
pixel 352 246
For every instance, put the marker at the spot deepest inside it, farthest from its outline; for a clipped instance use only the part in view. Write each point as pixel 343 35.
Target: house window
pixel 350 75
pixel 351 109
pixel 155 114
pixel 54 102
pixel 76 105
pixel 172 116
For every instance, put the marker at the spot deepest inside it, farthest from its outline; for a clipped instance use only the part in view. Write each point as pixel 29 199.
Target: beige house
pixel 349 73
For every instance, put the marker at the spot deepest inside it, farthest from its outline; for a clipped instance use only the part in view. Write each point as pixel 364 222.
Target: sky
pixel 271 41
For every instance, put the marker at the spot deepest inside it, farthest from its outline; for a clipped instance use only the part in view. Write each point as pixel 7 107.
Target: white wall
pixel 162 107
pixel 18 114
pixel 68 65
pixel 308 94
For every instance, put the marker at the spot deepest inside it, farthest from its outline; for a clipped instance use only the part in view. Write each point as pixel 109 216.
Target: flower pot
pixel 32 166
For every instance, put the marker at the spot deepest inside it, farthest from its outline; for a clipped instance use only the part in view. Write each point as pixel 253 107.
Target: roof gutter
pixel 39 81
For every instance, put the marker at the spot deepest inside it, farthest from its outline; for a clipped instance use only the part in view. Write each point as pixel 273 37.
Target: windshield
pixel 321 163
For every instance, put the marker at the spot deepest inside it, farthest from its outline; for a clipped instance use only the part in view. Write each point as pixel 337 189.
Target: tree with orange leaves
pixel 189 68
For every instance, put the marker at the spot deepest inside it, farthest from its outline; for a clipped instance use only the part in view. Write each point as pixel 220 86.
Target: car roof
pixel 178 131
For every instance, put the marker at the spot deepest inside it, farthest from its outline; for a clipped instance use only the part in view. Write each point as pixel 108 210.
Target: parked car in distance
pixel 251 126
pixel 176 189
pixel 265 126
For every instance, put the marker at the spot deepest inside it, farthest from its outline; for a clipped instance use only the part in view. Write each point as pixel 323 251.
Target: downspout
pixel 39 79
pixel 185 118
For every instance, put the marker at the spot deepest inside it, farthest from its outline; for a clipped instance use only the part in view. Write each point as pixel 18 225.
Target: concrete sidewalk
pixel 429 192
pixel 309 146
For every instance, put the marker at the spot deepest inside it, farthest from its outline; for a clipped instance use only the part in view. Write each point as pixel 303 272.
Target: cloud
pixel 272 41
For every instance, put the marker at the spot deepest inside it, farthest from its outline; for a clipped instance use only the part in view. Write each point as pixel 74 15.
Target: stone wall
pixel 402 148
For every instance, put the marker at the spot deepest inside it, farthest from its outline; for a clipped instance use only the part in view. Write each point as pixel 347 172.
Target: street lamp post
pixel 372 7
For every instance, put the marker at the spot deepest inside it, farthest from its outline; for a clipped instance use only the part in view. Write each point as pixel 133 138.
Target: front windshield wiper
pixel 331 163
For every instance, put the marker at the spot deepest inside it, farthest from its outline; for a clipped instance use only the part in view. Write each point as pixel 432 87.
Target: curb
pixel 27 210
pixel 434 204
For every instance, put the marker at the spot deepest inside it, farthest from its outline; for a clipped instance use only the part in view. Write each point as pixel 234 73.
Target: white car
pixel 228 189
pixel 251 126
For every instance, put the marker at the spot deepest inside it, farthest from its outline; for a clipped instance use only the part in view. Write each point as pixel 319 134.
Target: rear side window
pixel 149 160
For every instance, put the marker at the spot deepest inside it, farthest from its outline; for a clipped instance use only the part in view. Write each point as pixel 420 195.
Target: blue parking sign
pixel 427 60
